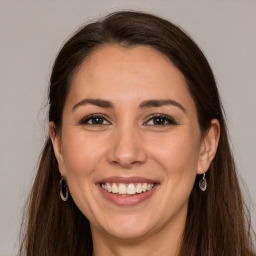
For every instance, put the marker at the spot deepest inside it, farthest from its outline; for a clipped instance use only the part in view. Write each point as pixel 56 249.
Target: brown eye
pixel 94 120
pixel 97 120
pixel 160 120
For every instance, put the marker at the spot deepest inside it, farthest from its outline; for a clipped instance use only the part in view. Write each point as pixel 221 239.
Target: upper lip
pixel 126 180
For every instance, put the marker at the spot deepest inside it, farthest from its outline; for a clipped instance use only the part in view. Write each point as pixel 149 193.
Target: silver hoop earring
pixel 203 183
pixel 64 192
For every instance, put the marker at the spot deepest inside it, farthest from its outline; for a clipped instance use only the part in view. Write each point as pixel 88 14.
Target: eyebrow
pixel 160 103
pixel 145 104
pixel 96 102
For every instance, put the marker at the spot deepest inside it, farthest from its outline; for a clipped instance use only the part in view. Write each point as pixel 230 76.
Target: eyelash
pixel 88 120
pixel 163 118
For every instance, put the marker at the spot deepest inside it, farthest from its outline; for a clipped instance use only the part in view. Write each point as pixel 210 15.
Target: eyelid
pixel 168 118
pixel 84 120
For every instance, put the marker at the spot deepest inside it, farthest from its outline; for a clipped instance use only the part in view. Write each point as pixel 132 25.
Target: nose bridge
pixel 127 147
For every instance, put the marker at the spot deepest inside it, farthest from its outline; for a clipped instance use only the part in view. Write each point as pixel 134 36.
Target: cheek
pixel 81 153
pixel 178 156
pixel 177 152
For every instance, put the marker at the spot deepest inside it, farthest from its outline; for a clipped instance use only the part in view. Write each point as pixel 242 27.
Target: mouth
pixel 127 191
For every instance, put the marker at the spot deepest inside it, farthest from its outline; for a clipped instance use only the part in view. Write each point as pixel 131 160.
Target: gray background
pixel 31 33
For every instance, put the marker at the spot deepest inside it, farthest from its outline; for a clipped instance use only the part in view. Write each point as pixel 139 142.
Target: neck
pixel 165 242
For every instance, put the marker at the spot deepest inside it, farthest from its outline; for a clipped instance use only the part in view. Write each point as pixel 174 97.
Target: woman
pixel 137 161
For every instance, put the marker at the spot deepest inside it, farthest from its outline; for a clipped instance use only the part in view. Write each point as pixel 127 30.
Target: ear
pixel 57 147
pixel 209 147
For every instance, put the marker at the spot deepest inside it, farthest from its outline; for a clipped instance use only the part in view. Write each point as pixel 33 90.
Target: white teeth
pixel 108 187
pixel 127 189
pixel 122 189
pixel 139 188
pixel 114 188
pixel 131 190
pixel 149 187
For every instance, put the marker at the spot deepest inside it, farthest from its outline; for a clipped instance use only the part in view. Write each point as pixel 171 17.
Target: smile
pixel 127 189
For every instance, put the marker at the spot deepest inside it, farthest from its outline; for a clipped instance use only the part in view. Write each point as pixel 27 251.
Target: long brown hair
pixel 217 221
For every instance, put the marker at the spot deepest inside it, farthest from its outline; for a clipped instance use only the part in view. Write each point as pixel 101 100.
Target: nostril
pixel 126 149
pixel 127 161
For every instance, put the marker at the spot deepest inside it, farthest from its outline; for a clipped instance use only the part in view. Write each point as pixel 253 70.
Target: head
pixel 135 44
pixel 130 29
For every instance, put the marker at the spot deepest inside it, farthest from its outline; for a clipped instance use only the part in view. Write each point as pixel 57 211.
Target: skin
pixel 128 143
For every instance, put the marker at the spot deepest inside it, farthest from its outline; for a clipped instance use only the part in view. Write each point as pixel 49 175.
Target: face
pixel 130 145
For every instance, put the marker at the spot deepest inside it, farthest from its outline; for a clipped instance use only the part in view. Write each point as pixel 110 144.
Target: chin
pixel 128 232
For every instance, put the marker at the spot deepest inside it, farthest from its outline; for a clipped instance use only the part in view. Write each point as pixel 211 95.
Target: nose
pixel 126 148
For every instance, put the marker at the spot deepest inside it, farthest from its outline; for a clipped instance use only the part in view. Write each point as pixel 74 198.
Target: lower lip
pixel 127 200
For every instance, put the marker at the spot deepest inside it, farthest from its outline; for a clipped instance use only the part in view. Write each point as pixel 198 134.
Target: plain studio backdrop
pixel 31 34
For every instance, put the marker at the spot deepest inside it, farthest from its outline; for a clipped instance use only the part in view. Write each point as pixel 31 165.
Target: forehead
pixel 114 72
